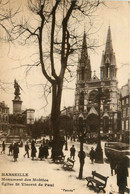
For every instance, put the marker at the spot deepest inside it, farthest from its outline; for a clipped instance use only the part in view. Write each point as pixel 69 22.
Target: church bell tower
pixel 83 75
pixel 108 73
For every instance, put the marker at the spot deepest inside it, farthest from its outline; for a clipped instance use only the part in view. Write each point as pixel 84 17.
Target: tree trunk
pixel 58 143
pixel 81 170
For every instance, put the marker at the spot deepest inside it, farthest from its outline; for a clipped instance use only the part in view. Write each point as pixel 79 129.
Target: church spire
pixel 108 62
pixel 84 51
pixel 109 47
pixel 84 67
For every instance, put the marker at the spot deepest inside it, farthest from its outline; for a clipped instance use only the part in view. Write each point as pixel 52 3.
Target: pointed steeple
pixel 108 62
pixel 109 47
pixel 84 51
pixel 84 67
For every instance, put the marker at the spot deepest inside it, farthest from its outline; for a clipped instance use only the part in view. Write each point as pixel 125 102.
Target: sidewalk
pixel 57 180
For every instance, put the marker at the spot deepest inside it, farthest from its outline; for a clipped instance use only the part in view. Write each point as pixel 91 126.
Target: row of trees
pixel 40 128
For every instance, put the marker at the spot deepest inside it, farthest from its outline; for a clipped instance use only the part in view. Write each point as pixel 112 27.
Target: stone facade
pixel 98 97
pixel 125 106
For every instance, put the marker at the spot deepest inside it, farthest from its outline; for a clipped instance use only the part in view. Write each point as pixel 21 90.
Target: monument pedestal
pixel 17 132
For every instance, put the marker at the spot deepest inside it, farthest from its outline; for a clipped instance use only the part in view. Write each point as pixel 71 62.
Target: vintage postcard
pixel 64 96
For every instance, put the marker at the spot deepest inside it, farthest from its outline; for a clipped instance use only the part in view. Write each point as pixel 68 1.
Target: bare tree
pixel 53 28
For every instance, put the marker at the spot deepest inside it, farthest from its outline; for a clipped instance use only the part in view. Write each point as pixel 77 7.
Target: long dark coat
pixel 3 146
pixel 113 162
pixel 92 154
pixel 122 172
pixel 15 151
pixel 46 153
pixel 41 152
pixel 72 151
pixel 33 151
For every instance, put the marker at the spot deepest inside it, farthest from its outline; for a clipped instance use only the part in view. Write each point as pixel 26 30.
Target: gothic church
pixel 98 98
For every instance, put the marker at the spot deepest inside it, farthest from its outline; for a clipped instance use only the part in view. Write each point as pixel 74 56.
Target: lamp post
pixel 99 152
pixel 66 143
pixel 81 154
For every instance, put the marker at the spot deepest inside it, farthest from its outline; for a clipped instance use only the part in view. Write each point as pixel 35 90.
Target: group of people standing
pixel 13 150
pixel 43 150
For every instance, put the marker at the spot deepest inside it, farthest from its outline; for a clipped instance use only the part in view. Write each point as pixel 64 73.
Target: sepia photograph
pixel 64 96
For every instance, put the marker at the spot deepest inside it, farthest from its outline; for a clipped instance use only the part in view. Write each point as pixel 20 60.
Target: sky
pixel 115 13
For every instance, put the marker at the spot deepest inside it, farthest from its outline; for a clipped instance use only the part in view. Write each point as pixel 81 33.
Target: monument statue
pixel 17 90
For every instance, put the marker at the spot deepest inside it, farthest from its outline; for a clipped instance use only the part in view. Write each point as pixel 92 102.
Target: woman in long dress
pixel 15 151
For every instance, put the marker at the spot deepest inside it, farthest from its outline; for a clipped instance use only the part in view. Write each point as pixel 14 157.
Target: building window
pixel 126 112
pixel 127 125
pixel 122 125
pixel 6 118
pixel 122 102
pixel 127 100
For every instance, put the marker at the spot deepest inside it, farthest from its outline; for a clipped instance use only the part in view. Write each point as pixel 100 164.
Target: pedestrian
pixel 15 151
pixel 122 174
pixel 26 150
pixel 46 153
pixel 92 155
pixel 32 142
pixel 3 148
pixel 33 150
pixel 41 152
pixel 72 152
pixel 43 141
pixel 112 160
pixel 10 149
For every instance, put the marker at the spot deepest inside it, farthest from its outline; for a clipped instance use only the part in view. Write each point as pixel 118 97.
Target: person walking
pixel 41 152
pixel 33 151
pixel 15 151
pixel 112 160
pixel 122 174
pixel 10 149
pixel 26 150
pixel 3 148
pixel 72 152
pixel 92 155
pixel 46 153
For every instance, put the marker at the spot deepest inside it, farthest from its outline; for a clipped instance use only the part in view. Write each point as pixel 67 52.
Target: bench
pixel 69 164
pixel 97 181
pixel 60 159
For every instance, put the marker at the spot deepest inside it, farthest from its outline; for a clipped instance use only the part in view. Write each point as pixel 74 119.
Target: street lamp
pixel 99 153
pixel 66 143
pixel 81 154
